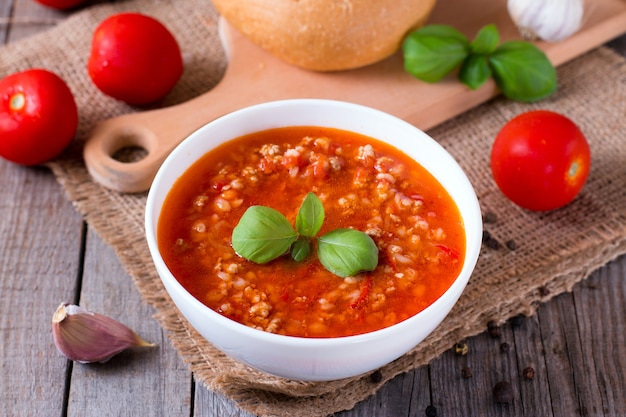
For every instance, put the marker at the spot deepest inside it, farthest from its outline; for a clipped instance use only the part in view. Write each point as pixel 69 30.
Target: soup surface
pixel 363 183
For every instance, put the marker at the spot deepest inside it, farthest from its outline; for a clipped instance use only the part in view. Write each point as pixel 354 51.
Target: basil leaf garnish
pixel 301 249
pixel 486 40
pixel 522 71
pixel 310 216
pixel 475 71
pixel 432 52
pixel 346 252
pixel 262 234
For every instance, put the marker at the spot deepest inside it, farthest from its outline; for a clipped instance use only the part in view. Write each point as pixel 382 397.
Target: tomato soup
pixel 363 184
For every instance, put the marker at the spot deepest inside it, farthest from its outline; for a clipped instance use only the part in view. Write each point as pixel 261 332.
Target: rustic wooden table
pixel 576 343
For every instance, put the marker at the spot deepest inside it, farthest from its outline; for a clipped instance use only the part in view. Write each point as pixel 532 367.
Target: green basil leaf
pixel 433 51
pixel 346 252
pixel 310 216
pixel 522 71
pixel 262 234
pixel 301 249
pixel 475 71
pixel 486 40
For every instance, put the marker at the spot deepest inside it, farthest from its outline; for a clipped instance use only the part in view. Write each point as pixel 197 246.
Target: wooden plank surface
pixel 49 255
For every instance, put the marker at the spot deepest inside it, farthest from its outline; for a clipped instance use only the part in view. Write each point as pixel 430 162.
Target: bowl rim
pixel 454 290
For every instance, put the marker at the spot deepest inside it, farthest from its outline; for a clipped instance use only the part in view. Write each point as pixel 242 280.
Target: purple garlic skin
pixel 84 336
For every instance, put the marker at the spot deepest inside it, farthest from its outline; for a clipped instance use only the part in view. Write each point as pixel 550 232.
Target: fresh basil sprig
pixel 264 234
pixel 521 70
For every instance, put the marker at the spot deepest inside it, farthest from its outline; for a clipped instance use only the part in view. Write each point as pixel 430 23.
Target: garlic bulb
pixel 85 337
pixel 550 20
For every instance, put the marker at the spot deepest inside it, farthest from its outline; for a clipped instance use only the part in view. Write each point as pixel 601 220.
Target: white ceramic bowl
pixel 309 358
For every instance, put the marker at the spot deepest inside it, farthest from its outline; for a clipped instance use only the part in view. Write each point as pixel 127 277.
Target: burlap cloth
pixel 552 251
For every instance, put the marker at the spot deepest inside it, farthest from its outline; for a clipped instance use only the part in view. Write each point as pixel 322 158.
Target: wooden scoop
pixel 254 76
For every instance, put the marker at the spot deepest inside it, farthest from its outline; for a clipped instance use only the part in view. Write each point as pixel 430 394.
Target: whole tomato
pixel 134 58
pixel 38 116
pixel 60 4
pixel 540 160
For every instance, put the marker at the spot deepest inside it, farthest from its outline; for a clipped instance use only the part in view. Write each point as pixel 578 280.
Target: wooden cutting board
pixel 254 76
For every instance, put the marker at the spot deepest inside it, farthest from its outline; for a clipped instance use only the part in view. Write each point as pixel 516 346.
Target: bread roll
pixel 327 35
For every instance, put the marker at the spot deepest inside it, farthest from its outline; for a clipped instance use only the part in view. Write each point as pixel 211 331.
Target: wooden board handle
pixel 134 130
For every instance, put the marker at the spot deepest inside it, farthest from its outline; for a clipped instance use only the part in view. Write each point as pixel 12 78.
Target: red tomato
pixel 60 4
pixel 38 116
pixel 134 58
pixel 540 160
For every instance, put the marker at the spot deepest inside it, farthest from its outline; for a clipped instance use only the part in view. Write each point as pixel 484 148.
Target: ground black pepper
pixel 544 291
pixel 493 329
pixel 504 347
pixel 466 372
pixel 490 217
pixel 376 376
pixel 528 372
pixel 503 392
pixel 511 244
pixel 490 241
pixel 431 411
pixel 517 321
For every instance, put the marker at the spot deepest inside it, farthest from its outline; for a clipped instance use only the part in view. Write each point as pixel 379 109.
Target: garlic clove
pixel 85 336
pixel 549 20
